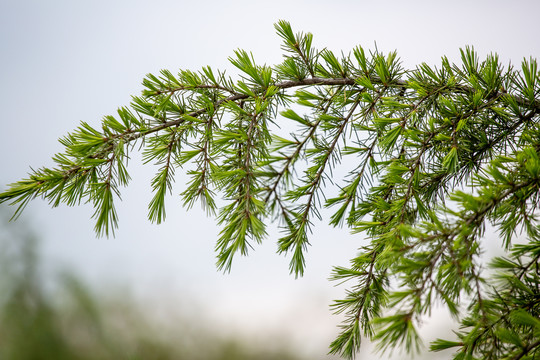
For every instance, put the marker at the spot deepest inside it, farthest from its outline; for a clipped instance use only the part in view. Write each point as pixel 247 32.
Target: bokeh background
pixel 65 61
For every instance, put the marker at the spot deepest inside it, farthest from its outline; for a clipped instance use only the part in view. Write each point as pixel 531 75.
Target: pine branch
pixel 413 137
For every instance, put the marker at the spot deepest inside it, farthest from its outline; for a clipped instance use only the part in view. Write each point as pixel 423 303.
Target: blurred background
pixel 153 292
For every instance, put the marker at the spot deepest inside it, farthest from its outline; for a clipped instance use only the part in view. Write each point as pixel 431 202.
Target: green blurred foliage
pixel 67 321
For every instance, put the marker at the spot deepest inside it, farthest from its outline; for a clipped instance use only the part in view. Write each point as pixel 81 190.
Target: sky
pixel 62 62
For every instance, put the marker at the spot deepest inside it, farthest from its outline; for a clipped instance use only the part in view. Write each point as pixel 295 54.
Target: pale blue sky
pixel 67 61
